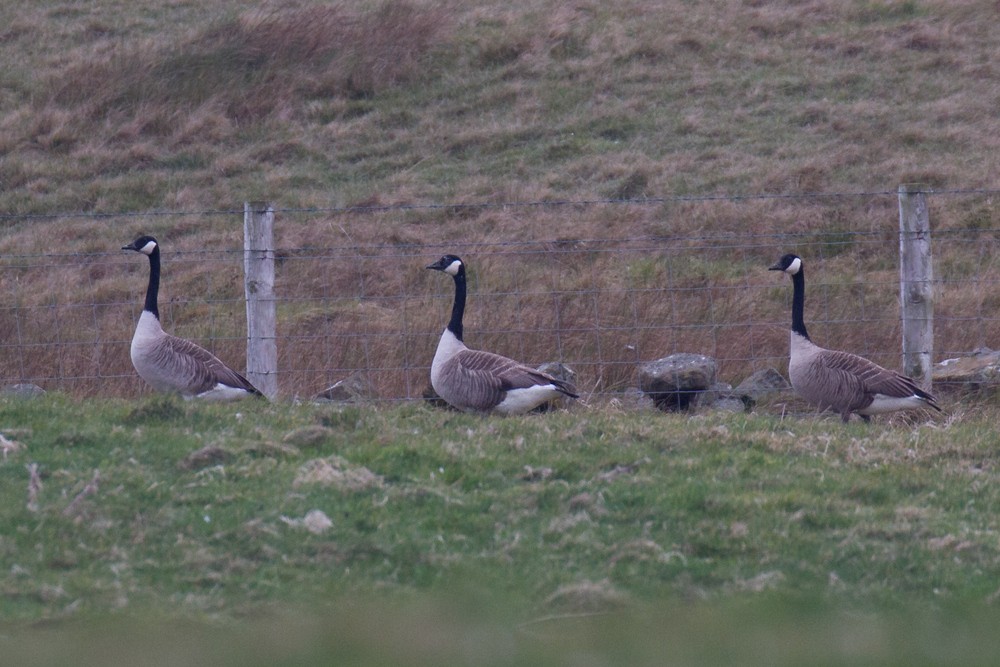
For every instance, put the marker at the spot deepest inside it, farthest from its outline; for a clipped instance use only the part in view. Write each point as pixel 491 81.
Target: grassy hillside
pixel 145 107
pixel 140 106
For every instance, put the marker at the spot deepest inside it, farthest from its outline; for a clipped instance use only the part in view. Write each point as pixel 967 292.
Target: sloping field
pixel 720 122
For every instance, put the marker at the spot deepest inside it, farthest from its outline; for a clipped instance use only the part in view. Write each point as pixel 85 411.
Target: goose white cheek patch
pixel 148 248
pixel 453 268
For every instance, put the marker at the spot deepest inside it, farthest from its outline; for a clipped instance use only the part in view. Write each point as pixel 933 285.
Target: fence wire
pixel 366 307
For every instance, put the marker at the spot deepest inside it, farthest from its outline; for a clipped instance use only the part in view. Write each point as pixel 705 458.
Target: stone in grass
pixel 633 398
pixel 675 382
pixel 977 372
pixel 762 383
pixel 722 397
pixel 23 390
pixel 355 388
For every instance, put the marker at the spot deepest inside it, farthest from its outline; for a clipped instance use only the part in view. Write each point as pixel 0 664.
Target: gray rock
pixel 762 382
pixel 676 382
pixel 355 388
pixel 760 385
pixel 23 390
pixel 718 391
pixel 732 403
pixel 978 371
pixel 723 397
pixel 634 398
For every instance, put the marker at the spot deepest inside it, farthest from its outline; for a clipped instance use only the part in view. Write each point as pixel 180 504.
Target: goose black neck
pixel 458 309
pixel 798 303
pixel 154 283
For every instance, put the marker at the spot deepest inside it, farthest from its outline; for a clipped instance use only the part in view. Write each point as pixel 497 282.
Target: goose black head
pixel 450 264
pixel 790 264
pixel 144 244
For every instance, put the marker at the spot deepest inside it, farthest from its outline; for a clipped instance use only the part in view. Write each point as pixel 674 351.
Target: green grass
pixel 537 531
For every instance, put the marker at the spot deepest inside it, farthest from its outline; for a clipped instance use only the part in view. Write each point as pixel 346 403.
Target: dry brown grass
pixel 292 53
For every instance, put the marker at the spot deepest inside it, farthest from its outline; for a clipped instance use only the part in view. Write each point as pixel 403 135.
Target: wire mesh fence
pixel 351 303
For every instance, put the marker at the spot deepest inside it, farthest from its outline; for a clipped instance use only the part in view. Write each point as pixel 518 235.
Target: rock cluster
pixel 685 381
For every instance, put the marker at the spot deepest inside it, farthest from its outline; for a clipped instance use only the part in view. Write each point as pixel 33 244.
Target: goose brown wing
pixel 868 378
pixel 874 379
pixel 841 386
pixel 202 369
pixel 471 378
pixel 509 374
pixel 485 378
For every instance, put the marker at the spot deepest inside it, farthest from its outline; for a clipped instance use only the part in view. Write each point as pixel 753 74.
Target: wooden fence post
pixel 258 266
pixel 915 284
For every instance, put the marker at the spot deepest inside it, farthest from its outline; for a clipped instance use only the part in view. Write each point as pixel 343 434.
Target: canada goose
pixel 842 381
pixel 477 381
pixel 172 364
